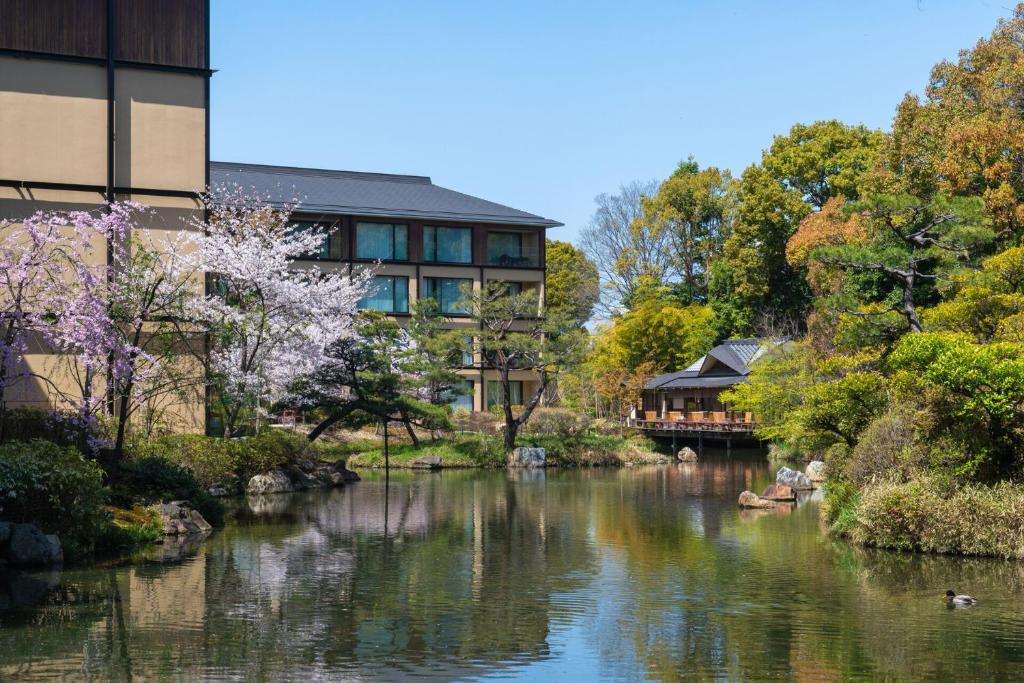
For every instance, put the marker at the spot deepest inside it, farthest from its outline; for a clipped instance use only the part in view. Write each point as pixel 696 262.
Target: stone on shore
pixel 27 546
pixel 528 457
pixel 779 493
pixel 180 519
pixel 427 462
pixel 687 454
pixel 794 479
pixel 815 471
pixel 749 499
pixel 274 481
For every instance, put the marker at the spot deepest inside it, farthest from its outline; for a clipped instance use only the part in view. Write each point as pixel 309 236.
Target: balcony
pixel 513 249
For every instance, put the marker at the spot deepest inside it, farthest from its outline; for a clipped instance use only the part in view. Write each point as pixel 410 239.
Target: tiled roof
pixel 366 194
pixel 726 364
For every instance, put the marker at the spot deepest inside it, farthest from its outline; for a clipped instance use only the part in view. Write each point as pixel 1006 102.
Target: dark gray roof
pixel 725 365
pixel 366 194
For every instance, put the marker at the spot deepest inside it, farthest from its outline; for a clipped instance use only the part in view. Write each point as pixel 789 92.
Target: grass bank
pixel 482 450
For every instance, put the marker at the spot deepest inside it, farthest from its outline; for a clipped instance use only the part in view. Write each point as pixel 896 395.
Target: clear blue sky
pixel 542 105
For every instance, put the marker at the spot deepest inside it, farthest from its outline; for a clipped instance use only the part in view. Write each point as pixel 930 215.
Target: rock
pixel 30 547
pixel 180 519
pixel 427 462
pixel 793 479
pixel 274 481
pixel 347 474
pixel 749 499
pixel 775 453
pixel 301 480
pixel 687 455
pixel 528 457
pixel 779 492
pixel 197 519
pixel 815 471
pixel 218 491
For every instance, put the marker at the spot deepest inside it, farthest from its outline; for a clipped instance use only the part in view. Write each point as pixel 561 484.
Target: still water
pixel 638 573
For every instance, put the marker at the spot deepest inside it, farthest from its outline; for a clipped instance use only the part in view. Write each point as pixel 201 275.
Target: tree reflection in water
pixel 632 573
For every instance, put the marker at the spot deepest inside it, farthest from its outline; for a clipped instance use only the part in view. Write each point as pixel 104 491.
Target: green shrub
pixel 556 422
pixel 272 448
pixel 839 505
pixel 55 488
pixel 927 514
pixel 130 528
pixel 887 448
pixel 211 460
pixel 152 479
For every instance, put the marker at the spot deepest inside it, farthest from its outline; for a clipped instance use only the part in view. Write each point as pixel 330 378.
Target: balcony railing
pixel 527 257
pixel 699 421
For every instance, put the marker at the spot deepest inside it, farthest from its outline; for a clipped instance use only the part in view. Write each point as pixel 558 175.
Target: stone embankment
pixel 304 475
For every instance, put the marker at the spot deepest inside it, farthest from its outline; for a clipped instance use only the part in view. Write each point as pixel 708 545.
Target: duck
pixel 959 600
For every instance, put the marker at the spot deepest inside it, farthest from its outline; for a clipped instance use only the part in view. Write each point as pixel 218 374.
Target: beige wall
pixel 160 123
pixel 53 128
pixel 53 121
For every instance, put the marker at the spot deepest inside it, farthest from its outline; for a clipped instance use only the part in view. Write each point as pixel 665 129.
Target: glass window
pixel 447 291
pixel 382 241
pixel 462 397
pixel 495 393
pixel 467 351
pixel 505 248
pixel 330 248
pixel 447 245
pixel 388 293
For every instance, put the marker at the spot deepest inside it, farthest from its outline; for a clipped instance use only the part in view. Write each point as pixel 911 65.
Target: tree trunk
pixel 409 429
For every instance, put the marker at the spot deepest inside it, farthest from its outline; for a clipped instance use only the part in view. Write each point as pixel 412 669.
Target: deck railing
pixel 699 421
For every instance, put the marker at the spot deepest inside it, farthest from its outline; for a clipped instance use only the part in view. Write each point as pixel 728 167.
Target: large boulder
pixel 274 481
pixel 793 479
pixel 815 471
pixel 528 457
pixel 749 499
pixel 27 546
pixel 687 454
pixel 780 493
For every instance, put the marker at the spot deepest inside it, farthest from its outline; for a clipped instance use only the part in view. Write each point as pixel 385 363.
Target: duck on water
pixel 955 600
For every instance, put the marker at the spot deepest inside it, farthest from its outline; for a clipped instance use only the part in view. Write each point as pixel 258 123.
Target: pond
pixel 615 574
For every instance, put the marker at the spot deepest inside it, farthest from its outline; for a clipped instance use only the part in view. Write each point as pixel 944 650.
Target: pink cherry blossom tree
pixel 270 319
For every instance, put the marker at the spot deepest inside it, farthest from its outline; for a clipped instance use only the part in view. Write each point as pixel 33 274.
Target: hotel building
pixel 109 99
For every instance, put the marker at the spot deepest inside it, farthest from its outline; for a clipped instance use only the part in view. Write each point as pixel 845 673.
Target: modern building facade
pixel 423 240
pixel 109 99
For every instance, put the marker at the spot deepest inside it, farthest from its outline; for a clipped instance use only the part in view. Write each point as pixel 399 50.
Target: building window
pixel 461 398
pixel 467 351
pixel 495 393
pixel 447 245
pixel 382 242
pixel 388 293
pixel 329 249
pixel 447 292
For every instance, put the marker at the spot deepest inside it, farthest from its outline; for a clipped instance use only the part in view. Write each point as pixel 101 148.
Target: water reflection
pixel 615 574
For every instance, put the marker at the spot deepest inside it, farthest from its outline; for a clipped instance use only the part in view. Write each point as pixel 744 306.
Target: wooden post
pixel 387 464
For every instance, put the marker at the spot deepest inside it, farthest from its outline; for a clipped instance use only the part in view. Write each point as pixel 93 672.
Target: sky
pixel 543 105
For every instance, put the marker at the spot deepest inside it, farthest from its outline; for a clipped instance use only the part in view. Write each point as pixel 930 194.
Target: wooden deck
pixel 694 427
pixel 724 423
